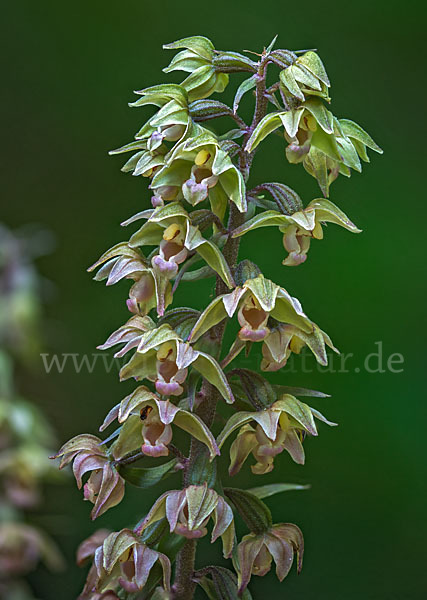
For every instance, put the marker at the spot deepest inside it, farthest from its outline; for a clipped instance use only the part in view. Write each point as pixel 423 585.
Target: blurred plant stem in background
pixel 25 435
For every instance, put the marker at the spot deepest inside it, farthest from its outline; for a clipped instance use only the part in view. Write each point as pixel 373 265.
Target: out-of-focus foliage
pixel 25 436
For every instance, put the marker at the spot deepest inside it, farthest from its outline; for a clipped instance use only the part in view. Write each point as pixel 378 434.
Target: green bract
pixel 202 204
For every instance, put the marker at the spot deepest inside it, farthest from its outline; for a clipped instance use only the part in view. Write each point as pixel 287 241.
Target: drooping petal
pixel 282 553
pixel 293 445
pixel 144 559
pixel 240 449
pixel 224 526
pixel 292 534
pixel 111 492
pixel 247 551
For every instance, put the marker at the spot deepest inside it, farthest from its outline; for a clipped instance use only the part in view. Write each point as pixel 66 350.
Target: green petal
pixel 132 146
pixel 139 366
pixel 193 425
pixel 349 155
pixel 322 115
pixel 288 310
pixel 353 130
pixel 304 76
pixel 313 63
pixel 291 120
pixel 315 164
pixel 156 337
pixel 234 186
pixel 328 212
pixel 129 404
pixel 201 501
pixel 268 218
pixel 170 114
pixel 162 94
pixel 198 44
pixel 287 78
pixel 210 253
pixel 210 369
pixel 200 83
pixel 185 61
pixel 150 234
pixel 326 143
pixel 121 249
pixel 233 423
pixel 147 162
pixel 264 290
pixel 298 410
pixel 268 124
pixel 219 202
pixel 213 314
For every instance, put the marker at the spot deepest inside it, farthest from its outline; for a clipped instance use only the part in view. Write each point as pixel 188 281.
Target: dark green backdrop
pixel 70 68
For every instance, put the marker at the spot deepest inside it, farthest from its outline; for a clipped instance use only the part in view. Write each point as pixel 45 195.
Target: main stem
pixel 184 586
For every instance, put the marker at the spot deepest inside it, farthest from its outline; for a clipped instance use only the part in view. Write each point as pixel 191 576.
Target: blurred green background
pixel 70 68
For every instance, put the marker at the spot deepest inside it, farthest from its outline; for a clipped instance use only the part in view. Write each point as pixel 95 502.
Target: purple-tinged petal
pixel 293 445
pixel 231 300
pixel 144 559
pixel 167 411
pixel 112 416
pixel 175 501
pixel 247 551
pixel 293 535
pixel 282 553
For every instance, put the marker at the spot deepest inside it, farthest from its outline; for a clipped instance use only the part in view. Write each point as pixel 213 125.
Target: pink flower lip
pixel 169 389
pixel 253 335
pixel 168 267
pixel 190 534
pixel 155 451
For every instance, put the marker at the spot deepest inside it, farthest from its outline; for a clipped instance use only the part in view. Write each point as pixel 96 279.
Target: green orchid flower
pixel 197 58
pixel 199 168
pixel 257 551
pixel 282 426
pixel 300 227
pixel 171 229
pixel 325 145
pixel 256 301
pixel 162 357
pixel 124 560
pixel 188 512
pixel 150 289
pixel 148 424
pixel 105 488
pixel 305 77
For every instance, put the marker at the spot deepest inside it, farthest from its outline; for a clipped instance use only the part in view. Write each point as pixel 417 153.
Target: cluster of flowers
pixel 176 353
pixel 25 436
